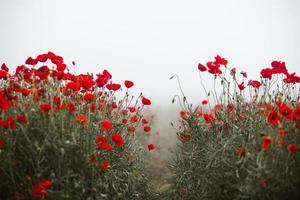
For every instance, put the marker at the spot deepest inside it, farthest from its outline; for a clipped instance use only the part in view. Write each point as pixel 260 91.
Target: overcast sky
pixel 148 41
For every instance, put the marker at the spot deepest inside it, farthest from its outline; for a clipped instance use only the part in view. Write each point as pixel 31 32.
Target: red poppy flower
pixel 104 146
pixel 134 118
pixel 221 61
pixel 285 110
pixel 281 141
pixel 201 67
pixel 291 78
pixel 100 139
pixel 230 107
pixel 255 84
pixel 293 147
pixel 266 73
pixel 146 101
pixel 42 57
pixel 4 67
pixel 81 119
pixel 45 107
pixel 128 84
pixel 103 78
pixel 61 67
pixel 145 121
pixel 4 103
pixel 92 157
pixel 151 147
pixel 2 144
pixel 266 142
pixel 113 86
pixel 281 132
pixel 273 118
pixel 3 74
pixel 89 97
pixel 241 152
pixel 71 107
pixel 130 129
pixel 106 125
pixel 41 189
pixel 132 109
pixel 118 139
pixel 114 105
pixel 25 92
pixel 213 68
pixel 104 165
pixel 73 86
pixel 262 182
pixel 22 119
pixel 241 86
pixel 204 102
pixel 147 128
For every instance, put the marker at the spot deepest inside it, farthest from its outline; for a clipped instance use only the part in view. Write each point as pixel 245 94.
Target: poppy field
pixel 83 136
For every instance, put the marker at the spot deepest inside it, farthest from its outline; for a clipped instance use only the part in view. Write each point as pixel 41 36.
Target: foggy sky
pixel 149 41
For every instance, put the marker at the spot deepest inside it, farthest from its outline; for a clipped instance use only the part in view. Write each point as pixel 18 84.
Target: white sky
pixel 148 41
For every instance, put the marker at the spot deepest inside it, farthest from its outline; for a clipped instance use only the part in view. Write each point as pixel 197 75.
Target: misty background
pixel 149 41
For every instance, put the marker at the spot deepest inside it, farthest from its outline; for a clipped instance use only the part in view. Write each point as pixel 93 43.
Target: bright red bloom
pixel 9 123
pixel 241 152
pixel 213 68
pixel 89 97
pixel 132 109
pixel 146 101
pixel 113 86
pixel 204 102
pixel 104 165
pixel 81 119
pixel 41 189
pixel 103 78
pixel 4 103
pixel 2 144
pixel 220 61
pixel 147 128
pixel 255 84
pixel 118 139
pixel 73 86
pixel 106 125
pixel 279 67
pixel 45 107
pixel 71 107
pixel 92 157
pixel 273 118
pixel 100 139
pixel 151 147
pixel 201 67
pixel 183 114
pixel 22 119
pixel 241 86
pixel 266 73
pixel 104 146
pixel 145 121
pixel 4 67
pixel 266 142
pixel 230 107
pixel 128 84
pixel 291 78
pixel 285 110
pixel 3 74
pixel 61 67
pixel 281 132
pixel 293 147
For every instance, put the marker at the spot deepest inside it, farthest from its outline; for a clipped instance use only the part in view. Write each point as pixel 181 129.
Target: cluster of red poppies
pixel 46 86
